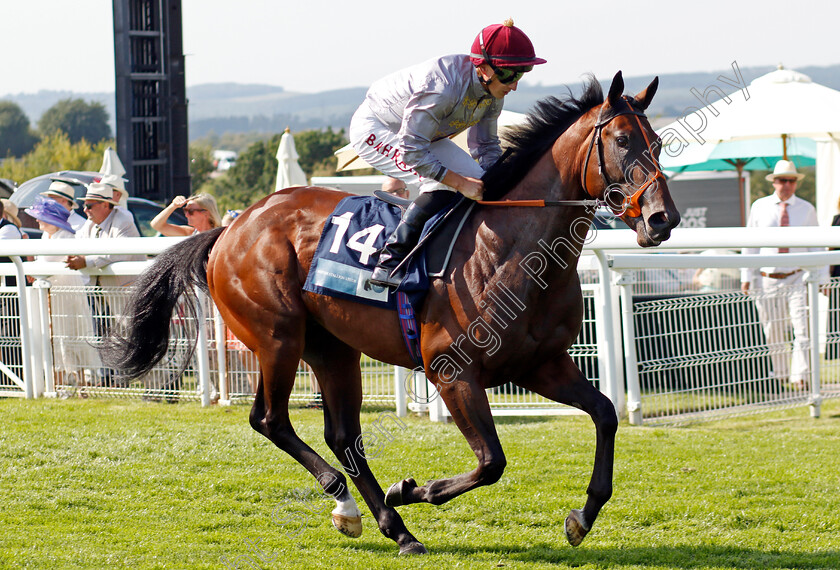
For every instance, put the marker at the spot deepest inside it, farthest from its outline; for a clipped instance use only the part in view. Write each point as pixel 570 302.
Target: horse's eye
pixel 622 140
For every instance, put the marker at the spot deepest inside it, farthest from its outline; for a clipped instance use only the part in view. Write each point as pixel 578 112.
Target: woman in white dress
pixel 72 326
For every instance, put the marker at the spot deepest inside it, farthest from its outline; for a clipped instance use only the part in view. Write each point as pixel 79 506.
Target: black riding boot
pixel 398 245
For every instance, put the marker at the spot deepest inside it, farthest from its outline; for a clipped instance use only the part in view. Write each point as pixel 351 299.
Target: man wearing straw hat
pixel 782 299
pixel 103 223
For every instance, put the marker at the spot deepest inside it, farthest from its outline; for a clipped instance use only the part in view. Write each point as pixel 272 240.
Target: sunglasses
pixel 508 75
pixel 785 180
pixel 90 205
pixel 193 210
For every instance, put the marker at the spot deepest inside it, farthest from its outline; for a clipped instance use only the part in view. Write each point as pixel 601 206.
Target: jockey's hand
pixel 472 188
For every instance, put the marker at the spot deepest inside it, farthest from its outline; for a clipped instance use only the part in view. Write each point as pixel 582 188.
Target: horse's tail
pixel 141 337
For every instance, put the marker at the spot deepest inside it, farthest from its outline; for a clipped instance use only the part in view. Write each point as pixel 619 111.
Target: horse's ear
pixel 645 97
pixel 616 89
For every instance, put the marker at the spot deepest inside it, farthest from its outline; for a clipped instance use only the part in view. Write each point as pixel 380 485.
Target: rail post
pixel 42 354
pixel 815 399
pixel 608 312
pixel 631 363
pixel 202 353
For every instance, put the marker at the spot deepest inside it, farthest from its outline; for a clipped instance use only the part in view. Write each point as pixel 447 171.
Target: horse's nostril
pixel 658 220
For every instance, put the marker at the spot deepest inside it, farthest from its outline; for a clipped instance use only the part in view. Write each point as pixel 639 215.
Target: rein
pixel 542 203
pixel 629 203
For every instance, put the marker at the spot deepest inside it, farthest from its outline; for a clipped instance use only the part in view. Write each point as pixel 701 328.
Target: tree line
pixel 73 135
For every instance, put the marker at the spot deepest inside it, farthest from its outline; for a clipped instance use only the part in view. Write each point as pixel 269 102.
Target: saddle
pixel 439 234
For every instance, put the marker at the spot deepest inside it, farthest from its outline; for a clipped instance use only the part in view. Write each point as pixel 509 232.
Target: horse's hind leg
pixel 336 366
pixel 467 402
pixel 562 381
pixel 270 417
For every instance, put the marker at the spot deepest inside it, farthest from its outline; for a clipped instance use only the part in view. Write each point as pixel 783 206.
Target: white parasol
pixel 111 163
pixel 781 104
pixel 289 172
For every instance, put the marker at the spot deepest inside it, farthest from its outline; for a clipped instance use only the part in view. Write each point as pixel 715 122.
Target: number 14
pixel 361 241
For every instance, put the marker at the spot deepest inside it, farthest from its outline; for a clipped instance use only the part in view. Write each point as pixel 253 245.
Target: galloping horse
pixel 508 308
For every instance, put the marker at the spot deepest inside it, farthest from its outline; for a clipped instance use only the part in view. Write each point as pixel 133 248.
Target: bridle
pixel 628 204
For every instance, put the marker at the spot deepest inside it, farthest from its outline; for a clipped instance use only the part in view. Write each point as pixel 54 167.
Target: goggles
pixel 508 75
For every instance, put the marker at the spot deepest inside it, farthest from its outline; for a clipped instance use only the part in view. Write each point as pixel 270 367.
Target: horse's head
pixel 621 165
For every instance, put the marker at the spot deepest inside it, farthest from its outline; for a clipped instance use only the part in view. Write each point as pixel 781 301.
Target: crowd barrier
pixel 662 351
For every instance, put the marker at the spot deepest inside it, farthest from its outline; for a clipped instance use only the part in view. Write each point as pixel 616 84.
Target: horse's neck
pixel 553 234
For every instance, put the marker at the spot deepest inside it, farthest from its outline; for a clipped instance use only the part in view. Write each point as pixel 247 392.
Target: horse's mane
pixel 525 144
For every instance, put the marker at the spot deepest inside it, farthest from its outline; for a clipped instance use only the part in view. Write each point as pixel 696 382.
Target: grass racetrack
pixel 118 484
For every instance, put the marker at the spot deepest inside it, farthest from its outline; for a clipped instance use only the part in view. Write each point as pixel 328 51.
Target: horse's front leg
pixel 562 381
pixel 467 402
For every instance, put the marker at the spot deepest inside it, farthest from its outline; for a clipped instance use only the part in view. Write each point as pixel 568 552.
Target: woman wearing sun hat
pixel 64 194
pixel 71 317
pixel 403 127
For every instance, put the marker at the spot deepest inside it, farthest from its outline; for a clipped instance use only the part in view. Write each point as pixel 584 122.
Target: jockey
pixel 404 125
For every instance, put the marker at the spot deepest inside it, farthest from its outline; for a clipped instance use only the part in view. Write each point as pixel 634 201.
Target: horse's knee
pixel 257 420
pixel 492 470
pixel 341 442
pixel 605 417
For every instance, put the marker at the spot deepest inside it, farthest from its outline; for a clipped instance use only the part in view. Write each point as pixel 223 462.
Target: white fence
pixel 682 355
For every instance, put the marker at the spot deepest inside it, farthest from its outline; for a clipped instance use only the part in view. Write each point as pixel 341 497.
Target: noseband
pixel 629 203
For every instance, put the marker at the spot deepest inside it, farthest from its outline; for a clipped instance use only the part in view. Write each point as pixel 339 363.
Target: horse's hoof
pixel 413 548
pixel 348 526
pixel 395 497
pixel 576 528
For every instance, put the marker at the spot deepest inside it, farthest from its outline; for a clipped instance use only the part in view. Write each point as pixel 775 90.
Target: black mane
pixel 525 144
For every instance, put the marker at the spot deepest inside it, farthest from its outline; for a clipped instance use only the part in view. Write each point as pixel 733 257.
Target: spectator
pixel 782 301
pixel 201 211
pixel 122 214
pixel 10 351
pixel 396 187
pixel 229 216
pixel 63 193
pixel 117 183
pixel 104 222
pixel 10 212
pixel 202 215
pixel 716 279
pixel 70 313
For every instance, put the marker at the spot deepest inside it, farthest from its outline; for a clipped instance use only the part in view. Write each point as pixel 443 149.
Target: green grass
pixel 117 484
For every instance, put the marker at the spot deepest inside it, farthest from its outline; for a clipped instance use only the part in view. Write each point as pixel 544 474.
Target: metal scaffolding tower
pixel 152 138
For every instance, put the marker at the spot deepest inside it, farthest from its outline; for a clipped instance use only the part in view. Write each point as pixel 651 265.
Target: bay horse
pixel 508 308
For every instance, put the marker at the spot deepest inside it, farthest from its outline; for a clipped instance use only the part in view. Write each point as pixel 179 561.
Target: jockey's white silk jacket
pixel 434 100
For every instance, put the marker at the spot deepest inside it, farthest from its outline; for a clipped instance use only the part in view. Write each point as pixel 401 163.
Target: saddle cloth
pixel 347 253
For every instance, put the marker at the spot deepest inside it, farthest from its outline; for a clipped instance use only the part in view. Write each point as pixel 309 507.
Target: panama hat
pixel 51 212
pixel 784 168
pixel 118 184
pixel 100 192
pixel 61 190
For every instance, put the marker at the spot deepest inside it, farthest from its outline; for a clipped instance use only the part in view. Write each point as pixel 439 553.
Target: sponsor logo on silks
pixel 391 152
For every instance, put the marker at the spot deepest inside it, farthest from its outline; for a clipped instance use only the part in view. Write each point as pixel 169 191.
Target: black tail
pixel 141 339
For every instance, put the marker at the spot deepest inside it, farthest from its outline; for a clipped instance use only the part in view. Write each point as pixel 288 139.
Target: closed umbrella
pixel 111 163
pixel 289 172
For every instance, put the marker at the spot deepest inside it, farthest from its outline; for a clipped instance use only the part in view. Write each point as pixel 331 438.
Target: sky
pixel 316 45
